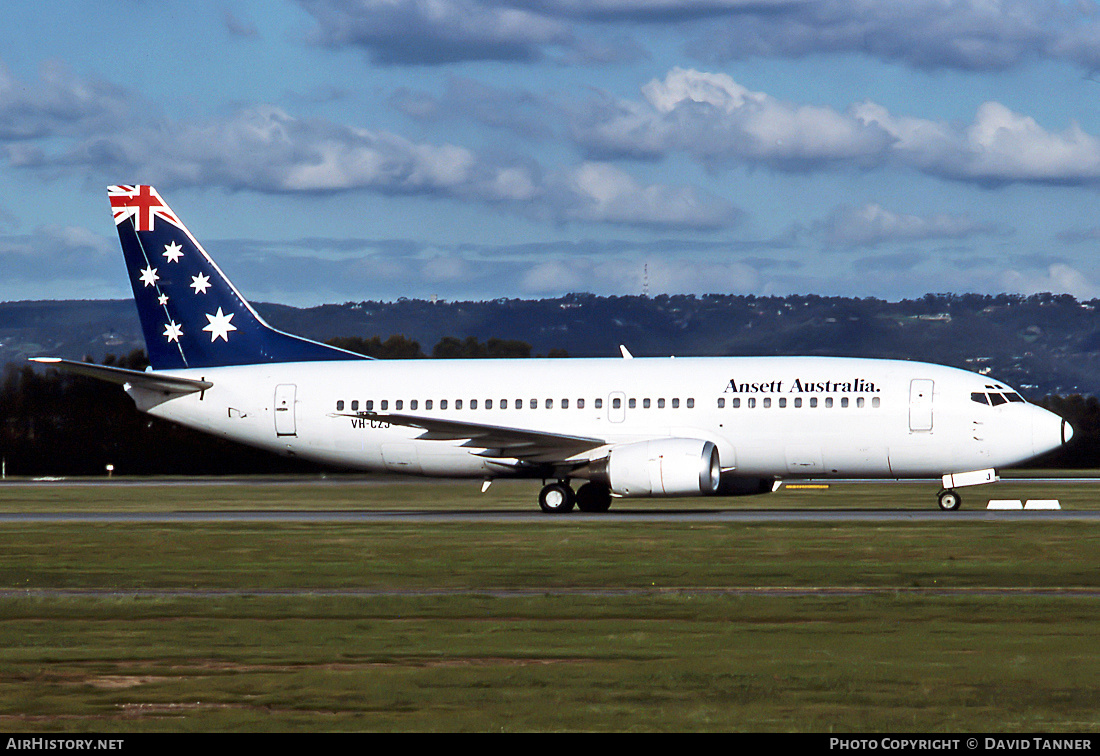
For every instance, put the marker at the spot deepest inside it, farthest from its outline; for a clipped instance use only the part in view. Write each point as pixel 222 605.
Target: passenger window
pixel 737 402
pixel 767 402
pixel 813 401
pixel 458 404
pixel 473 404
pixel 580 404
pixel 413 404
pixel 633 404
pixel 875 401
pixel 797 402
pixel 442 404
pixel 721 403
pixel 504 404
pixel 488 404
pixel 860 401
pixel 370 405
pixel 828 401
pixel 354 405
pixel 565 404
pixel 399 404
pixel 549 404
pixel 782 401
pixel 645 404
pixel 534 404
pixel 427 404
pixel 751 402
pixel 385 404
pixel 660 404
pixel 340 405
pixel 843 401
pixel 599 404
pixel 691 403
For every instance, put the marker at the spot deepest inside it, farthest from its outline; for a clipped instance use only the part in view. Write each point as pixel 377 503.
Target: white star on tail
pixel 149 276
pixel 173 331
pixel 200 283
pixel 173 252
pixel 219 326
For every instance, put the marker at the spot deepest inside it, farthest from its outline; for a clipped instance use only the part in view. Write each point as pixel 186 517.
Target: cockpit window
pixel 996 398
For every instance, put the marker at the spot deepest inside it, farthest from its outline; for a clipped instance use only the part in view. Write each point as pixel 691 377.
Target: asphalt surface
pixel 622 515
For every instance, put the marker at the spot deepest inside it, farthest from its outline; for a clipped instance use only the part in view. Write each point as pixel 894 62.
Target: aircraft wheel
pixel 593 497
pixel 949 500
pixel 556 498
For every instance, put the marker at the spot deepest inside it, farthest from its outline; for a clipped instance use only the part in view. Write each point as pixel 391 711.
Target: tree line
pixel 57 424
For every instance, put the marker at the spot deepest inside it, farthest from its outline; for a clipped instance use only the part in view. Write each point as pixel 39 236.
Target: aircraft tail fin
pixel 191 314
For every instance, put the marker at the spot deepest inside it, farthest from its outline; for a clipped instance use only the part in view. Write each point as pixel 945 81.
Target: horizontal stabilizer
pixel 167 384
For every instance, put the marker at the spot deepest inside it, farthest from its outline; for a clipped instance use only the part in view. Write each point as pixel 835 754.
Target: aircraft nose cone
pixel 1049 432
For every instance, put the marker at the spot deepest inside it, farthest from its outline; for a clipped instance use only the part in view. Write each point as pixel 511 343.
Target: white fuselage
pixel 768 416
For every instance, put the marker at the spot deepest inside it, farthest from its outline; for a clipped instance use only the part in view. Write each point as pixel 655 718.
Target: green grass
pixel 582 624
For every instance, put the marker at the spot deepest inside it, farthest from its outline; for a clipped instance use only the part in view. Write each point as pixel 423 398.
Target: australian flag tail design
pixel 191 315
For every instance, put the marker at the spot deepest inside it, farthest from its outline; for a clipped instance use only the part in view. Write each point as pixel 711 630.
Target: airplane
pixel 623 427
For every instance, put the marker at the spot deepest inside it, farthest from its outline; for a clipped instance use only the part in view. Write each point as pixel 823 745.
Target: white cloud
pixel 718 121
pixel 436 31
pixel 264 148
pixel 998 146
pixel 970 35
pixel 603 193
pixel 59 103
pixel 1060 278
pixel 872 224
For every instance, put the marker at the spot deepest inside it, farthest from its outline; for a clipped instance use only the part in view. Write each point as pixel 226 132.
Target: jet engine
pixel 662 467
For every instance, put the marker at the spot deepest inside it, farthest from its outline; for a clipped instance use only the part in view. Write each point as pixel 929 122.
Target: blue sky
pixel 342 150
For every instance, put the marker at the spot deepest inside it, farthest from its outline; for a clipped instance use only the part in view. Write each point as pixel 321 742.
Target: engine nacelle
pixel 664 467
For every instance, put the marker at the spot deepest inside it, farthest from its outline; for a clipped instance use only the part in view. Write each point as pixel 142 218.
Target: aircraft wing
pixel 166 384
pixel 495 441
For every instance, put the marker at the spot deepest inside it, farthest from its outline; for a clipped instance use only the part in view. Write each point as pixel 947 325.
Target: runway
pixel 621 516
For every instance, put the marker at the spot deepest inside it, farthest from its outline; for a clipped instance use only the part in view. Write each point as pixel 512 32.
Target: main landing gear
pixel 559 498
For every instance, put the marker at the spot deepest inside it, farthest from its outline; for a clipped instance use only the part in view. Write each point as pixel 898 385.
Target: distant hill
pixel 1042 344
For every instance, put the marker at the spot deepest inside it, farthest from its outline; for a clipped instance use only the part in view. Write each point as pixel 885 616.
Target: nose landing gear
pixel 949 500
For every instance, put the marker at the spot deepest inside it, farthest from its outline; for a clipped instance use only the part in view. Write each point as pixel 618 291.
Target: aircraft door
pixel 920 404
pixel 285 424
pixel 616 407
